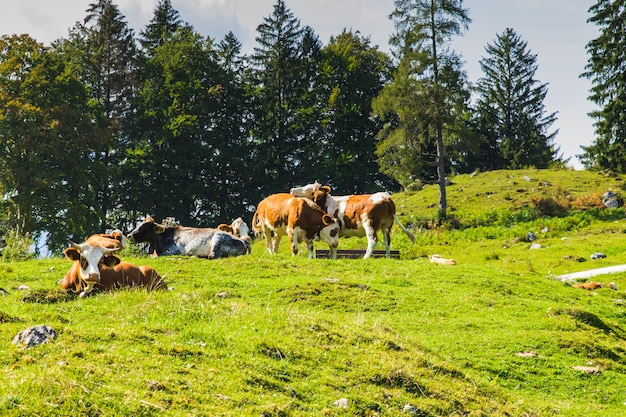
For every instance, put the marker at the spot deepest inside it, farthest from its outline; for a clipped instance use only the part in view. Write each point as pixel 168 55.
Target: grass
pixel 258 335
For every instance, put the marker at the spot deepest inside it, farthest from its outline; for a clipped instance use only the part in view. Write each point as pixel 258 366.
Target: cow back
pixel 129 275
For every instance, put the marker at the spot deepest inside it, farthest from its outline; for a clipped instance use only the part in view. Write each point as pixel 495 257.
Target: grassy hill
pixel 494 335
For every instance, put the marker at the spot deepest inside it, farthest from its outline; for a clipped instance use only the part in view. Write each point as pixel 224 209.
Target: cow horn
pixel 109 251
pixel 74 245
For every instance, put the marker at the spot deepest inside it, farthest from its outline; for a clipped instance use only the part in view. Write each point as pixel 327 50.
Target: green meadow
pixel 494 335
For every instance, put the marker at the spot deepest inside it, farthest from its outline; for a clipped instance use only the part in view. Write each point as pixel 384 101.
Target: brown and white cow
pixel 358 215
pixel 98 267
pixel 113 240
pixel 237 228
pixel 300 219
pixel 190 241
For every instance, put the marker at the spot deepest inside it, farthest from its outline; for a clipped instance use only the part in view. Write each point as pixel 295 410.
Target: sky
pixel 556 31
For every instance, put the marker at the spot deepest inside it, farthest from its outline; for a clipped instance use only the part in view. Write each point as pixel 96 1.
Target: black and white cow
pixel 191 241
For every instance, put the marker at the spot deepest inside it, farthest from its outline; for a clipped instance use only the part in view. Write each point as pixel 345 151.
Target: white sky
pixel 555 30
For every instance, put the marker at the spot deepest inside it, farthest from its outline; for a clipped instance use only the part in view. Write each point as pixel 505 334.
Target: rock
pixel 535 246
pixel 612 200
pixel 34 336
pixel 411 409
pixel 589 370
pixel 531 236
pixel 341 403
pixel 597 255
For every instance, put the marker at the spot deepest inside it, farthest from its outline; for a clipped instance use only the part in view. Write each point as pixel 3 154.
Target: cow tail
pixel 404 229
pixel 256 226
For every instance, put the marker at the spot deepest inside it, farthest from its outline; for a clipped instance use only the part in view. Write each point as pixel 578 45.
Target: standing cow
pixel 300 219
pixel 98 267
pixel 191 241
pixel 358 215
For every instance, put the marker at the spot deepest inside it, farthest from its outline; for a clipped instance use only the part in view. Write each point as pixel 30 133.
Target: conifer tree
pixel 277 81
pixel 510 107
pixel 606 70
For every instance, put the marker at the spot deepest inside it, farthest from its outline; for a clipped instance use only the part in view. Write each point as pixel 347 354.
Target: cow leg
pixel 275 243
pixel 293 242
pixel 309 244
pixel 370 233
pixel 387 240
pixel 269 239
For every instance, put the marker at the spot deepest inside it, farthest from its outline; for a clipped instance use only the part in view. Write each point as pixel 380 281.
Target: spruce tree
pixel 606 70
pixel 510 107
pixel 277 94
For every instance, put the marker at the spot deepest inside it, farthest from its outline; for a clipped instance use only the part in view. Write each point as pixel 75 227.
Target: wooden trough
pixel 356 253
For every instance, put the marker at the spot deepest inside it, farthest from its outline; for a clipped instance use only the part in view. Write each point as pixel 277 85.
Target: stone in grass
pixel 341 403
pixel 34 336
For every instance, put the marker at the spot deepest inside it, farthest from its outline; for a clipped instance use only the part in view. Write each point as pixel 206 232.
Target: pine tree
pixel 277 77
pixel 605 68
pixel 102 51
pixel 164 23
pixel 422 29
pixel 510 107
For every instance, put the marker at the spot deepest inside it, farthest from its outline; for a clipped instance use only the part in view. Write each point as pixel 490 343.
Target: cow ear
pixel 111 260
pixel 159 228
pixel 326 219
pixel 72 254
pixel 325 188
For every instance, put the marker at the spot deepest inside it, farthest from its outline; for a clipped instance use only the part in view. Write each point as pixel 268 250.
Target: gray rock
pixel 34 336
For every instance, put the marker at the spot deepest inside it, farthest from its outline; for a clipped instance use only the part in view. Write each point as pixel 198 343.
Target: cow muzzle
pixel 89 282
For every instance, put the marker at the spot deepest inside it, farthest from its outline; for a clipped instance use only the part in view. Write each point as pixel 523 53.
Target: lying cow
pixel 358 215
pixel 191 241
pixel 113 240
pixel 237 228
pixel 98 267
pixel 300 219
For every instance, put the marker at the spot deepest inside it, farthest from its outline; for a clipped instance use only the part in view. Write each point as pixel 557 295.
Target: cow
pixel 115 239
pixel 99 267
pixel 358 215
pixel 190 241
pixel 238 228
pixel 300 219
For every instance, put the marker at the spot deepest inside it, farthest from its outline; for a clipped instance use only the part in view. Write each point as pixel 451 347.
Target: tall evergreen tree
pixel 423 27
pixel 510 107
pixel 164 23
pixel 102 51
pixel 606 70
pixel 277 75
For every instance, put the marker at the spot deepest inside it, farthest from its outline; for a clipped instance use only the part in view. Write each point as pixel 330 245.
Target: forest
pixel 106 125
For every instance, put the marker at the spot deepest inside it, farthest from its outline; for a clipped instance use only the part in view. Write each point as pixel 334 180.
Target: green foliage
pixel 606 72
pixel 17 247
pixel 510 111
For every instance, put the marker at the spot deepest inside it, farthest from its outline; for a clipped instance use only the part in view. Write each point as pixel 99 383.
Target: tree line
pixel 105 126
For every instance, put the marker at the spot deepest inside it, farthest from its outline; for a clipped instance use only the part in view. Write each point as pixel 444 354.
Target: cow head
pixel 89 260
pixel 305 190
pixel 241 229
pixel 146 231
pixel 320 196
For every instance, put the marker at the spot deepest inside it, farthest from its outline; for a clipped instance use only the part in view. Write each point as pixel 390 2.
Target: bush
pixel 17 247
